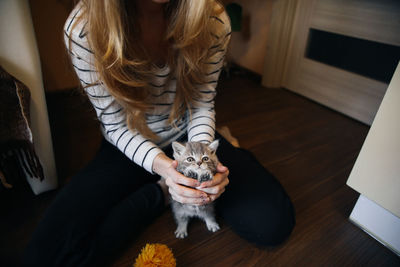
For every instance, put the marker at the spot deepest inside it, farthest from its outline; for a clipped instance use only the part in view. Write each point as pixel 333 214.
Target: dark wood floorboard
pixel 310 149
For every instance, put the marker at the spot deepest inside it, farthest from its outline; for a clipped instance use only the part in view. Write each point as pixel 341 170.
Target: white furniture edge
pixel 19 56
pixel 377 222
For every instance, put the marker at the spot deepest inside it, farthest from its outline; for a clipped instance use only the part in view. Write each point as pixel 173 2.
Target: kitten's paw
pixel 212 227
pixel 205 177
pixel 181 233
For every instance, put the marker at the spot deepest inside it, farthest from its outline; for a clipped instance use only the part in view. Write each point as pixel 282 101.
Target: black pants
pixel 112 199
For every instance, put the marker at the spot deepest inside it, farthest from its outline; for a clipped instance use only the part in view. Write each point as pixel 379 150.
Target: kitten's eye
pixel 190 159
pixel 205 158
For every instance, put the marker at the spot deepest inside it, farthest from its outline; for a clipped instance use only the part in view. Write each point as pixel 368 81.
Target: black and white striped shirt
pixel 113 117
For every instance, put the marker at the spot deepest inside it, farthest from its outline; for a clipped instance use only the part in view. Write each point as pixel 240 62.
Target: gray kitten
pixel 198 161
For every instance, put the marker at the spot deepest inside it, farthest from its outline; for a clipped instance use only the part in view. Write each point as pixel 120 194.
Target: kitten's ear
pixel 178 148
pixel 213 146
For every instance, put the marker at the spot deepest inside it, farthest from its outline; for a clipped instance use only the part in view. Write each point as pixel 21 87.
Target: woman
pixel 150 69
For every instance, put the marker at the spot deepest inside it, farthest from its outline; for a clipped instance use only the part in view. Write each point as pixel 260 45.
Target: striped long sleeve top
pixel 112 117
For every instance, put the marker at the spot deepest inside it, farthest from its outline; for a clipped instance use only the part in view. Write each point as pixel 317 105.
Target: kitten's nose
pixel 199 163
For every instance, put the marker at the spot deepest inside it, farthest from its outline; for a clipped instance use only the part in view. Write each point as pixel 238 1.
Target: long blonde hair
pixel 125 69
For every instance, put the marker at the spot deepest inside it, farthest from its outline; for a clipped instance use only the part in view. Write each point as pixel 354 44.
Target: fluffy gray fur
pixel 198 161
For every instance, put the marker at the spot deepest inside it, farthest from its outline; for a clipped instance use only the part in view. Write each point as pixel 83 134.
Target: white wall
pixel 247 49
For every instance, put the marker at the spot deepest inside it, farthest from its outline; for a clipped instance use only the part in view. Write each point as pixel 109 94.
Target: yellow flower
pixel 155 255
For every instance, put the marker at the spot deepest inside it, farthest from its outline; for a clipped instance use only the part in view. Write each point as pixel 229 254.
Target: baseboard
pixel 377 222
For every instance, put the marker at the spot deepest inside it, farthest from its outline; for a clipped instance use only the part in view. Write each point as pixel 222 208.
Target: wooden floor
pixel 309 148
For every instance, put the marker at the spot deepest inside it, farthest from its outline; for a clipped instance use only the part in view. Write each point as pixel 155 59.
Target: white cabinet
pixel 376 173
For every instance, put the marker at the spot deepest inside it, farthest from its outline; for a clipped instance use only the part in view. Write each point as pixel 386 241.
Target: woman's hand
pixel 216 186
pixel 181 188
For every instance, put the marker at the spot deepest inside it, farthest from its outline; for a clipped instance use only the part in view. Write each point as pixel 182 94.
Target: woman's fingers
pixel 218 188
pixel 215 196
pixel 183 190
pixel 190 191
pixel 178 178
pixel 221 168
pixel 219 177
pixel 188 200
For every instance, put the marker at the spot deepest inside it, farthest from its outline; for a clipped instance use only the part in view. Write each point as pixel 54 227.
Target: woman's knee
pixel 273 232
pixel 270 233
pixel 265 225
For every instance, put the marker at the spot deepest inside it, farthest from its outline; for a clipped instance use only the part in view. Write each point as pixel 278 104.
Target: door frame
pixel 285 65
